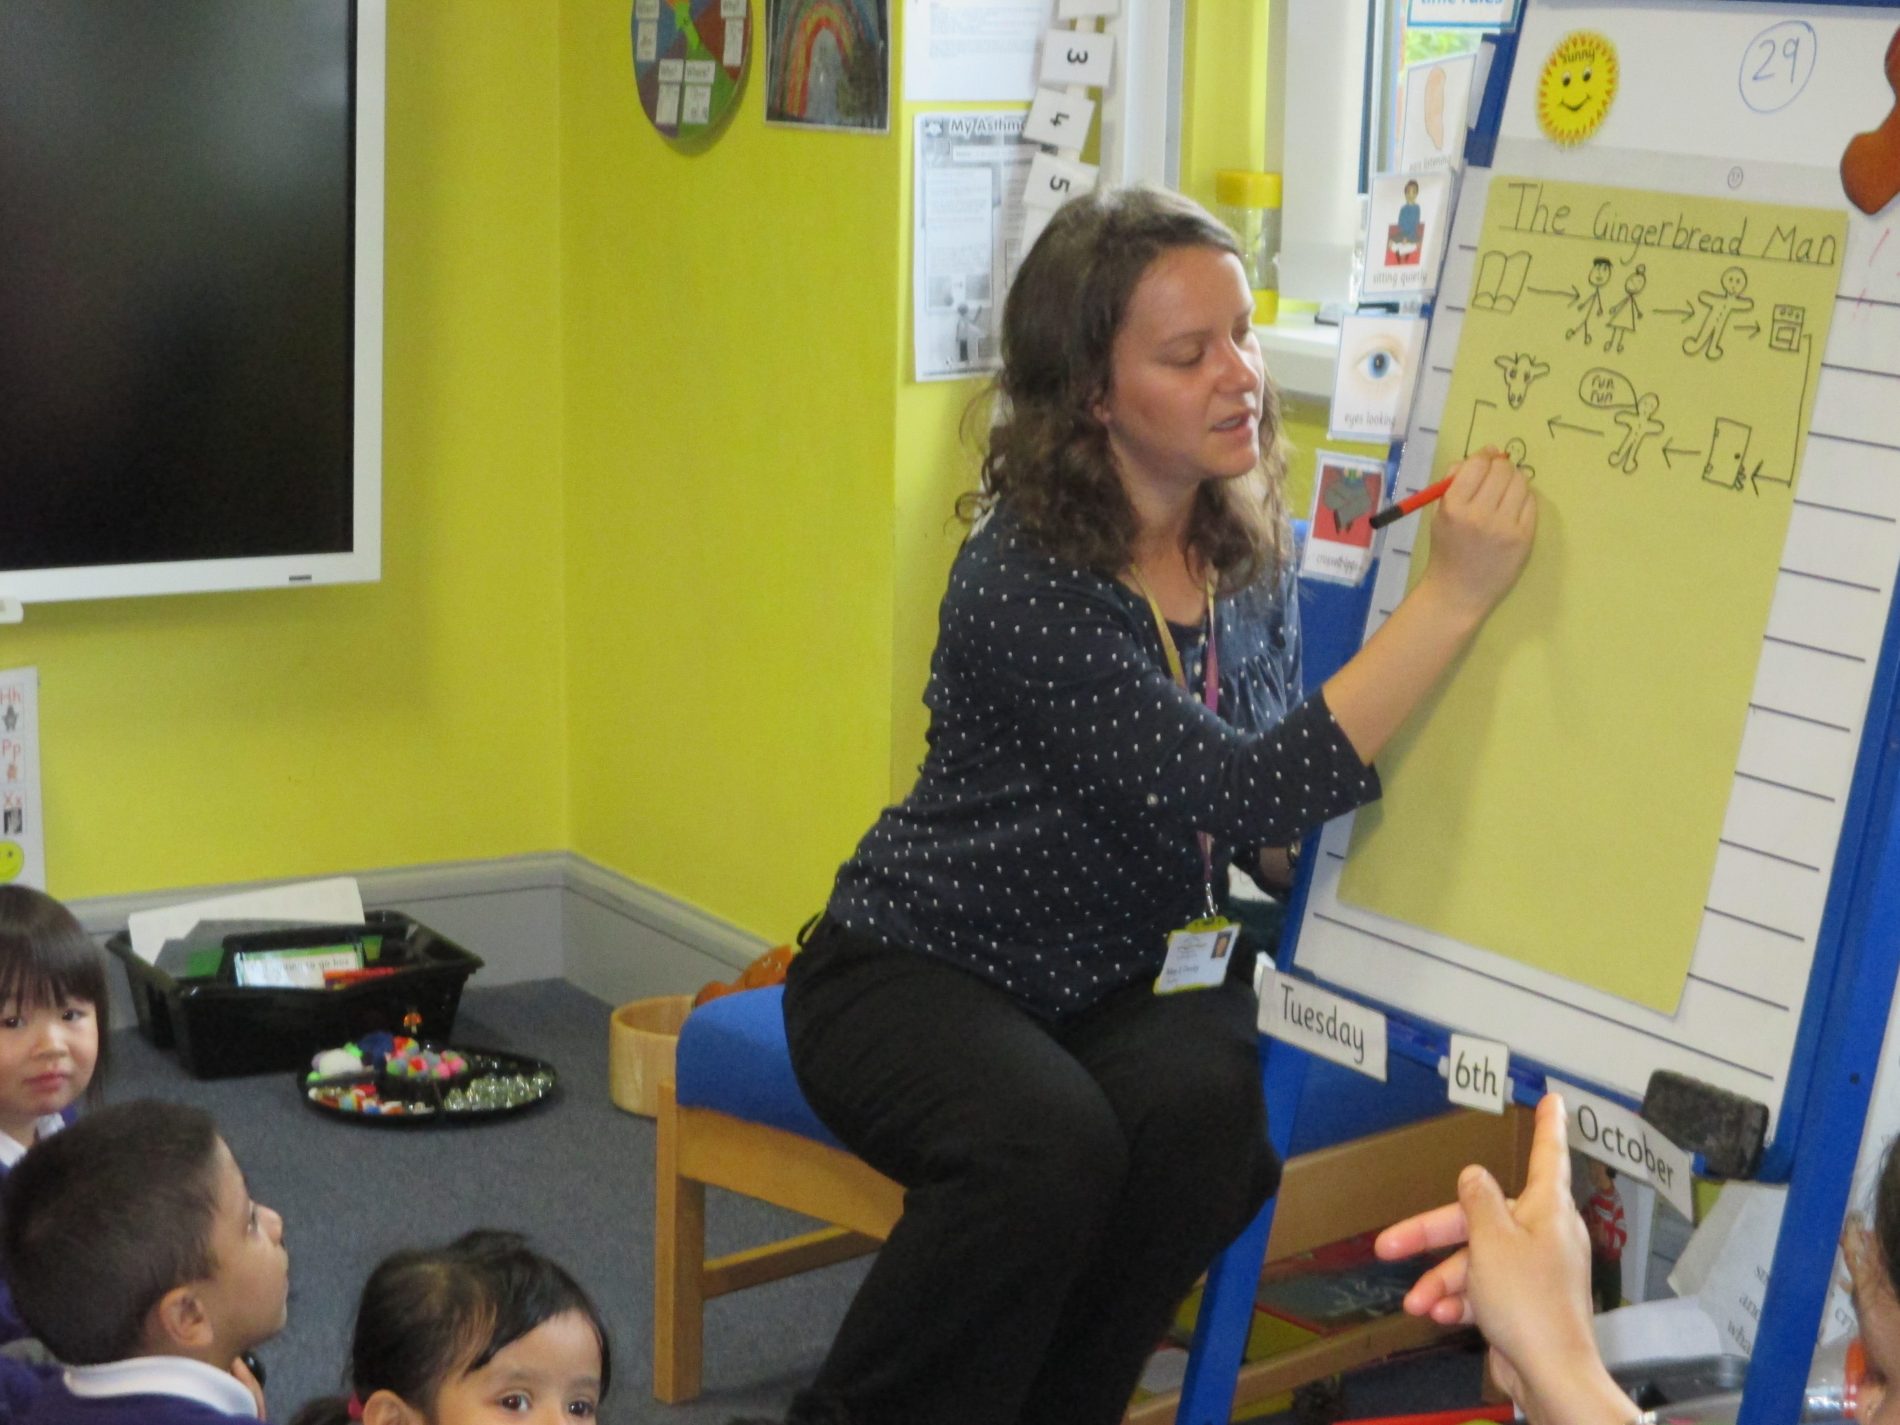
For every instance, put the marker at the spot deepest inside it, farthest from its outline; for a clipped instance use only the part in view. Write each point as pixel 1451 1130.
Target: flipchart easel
pixel 1817 1071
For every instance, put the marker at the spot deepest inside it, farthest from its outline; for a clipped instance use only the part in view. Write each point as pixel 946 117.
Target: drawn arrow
pixel 1786 481
pixel 1807 344
pixel 1752 328
pixel 1755 478
pixel 1684 312
pixel 1671 450
pixel 1569 295
pixel 1557 423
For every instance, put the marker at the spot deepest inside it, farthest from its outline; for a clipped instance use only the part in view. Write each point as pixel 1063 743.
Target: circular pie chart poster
pixel 688 57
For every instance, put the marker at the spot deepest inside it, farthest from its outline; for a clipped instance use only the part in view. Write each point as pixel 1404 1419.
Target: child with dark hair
pixel 139 1258
pixel 52 1030
pixel 1872 1256
pixel 477 1330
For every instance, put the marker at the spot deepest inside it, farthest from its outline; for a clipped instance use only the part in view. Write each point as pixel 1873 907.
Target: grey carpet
pixel 576 1175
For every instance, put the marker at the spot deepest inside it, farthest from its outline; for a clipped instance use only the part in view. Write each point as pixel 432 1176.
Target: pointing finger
pixel 1428 1231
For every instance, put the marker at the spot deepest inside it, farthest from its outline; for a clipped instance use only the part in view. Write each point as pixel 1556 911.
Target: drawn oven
pixel 1784 331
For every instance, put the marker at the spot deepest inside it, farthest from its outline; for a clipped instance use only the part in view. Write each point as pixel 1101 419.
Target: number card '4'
pixel 1059 120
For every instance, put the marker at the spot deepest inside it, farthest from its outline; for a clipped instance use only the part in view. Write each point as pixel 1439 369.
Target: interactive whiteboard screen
pixel 191 313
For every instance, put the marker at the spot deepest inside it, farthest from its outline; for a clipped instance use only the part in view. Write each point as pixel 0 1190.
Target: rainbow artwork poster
pixel 828 64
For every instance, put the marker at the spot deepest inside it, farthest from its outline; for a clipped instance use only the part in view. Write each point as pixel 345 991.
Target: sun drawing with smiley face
pixel 1577 87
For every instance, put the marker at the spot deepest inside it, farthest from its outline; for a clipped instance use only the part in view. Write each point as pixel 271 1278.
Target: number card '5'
pixel 1053 181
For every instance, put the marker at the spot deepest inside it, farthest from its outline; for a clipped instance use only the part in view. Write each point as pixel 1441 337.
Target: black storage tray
pixel 220 1029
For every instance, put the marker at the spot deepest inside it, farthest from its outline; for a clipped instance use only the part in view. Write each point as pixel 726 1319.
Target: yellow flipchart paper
pixel 1652 358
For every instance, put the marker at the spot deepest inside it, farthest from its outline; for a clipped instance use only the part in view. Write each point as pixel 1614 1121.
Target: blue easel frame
pixel 1837 1046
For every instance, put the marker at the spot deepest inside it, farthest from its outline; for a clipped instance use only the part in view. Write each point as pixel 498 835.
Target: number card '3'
pixel 1077 57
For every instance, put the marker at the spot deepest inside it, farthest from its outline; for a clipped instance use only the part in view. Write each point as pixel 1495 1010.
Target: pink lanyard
pixel 1210 696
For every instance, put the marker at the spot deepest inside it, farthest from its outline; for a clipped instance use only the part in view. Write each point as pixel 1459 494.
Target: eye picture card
pixel 1347 490
pixel 1405 232
pixel 1378 365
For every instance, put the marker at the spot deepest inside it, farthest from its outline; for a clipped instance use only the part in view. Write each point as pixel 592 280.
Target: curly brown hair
pixel 1048 455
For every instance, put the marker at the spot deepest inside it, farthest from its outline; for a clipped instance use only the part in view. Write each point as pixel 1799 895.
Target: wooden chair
pixel 700 1147
pixel 1325 1195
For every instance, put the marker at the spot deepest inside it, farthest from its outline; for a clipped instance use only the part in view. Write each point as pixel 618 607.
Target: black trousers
pixel 1065 1184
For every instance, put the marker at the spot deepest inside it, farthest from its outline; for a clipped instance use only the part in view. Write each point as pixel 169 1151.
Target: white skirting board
pixel 554 915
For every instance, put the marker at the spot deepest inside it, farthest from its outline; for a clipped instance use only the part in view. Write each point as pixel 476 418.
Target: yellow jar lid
pixel 1242 189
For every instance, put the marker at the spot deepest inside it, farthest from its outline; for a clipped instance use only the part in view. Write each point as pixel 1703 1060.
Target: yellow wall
pixel 728 433
pixel 225 737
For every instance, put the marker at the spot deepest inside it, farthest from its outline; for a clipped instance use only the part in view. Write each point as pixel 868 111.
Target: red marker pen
pixel 1410 503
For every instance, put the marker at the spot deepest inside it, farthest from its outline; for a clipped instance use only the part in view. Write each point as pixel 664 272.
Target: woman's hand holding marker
pixel 1481 532
pixel 1481 536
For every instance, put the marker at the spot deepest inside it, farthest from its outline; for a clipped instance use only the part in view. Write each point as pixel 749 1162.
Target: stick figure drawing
pixel 1625 314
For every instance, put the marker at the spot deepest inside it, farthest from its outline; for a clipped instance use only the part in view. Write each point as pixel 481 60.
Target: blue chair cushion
pixel 732 1057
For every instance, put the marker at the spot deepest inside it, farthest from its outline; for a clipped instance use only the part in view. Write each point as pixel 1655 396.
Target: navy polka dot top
pixel 1049 843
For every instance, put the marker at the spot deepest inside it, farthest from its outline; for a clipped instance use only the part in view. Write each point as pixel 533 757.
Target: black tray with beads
pixel 527 1084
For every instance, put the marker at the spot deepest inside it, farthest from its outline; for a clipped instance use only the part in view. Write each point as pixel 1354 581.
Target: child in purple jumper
pixel 139 1258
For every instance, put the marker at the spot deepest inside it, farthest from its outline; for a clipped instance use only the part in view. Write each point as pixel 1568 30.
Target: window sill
pixel 1301 354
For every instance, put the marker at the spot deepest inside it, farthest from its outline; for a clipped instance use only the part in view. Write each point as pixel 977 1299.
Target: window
pixel 1332 135
pixel 1401 46
pixel 1141 113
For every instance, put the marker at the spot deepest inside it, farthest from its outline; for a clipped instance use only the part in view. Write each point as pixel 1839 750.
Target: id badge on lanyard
pixel 1200 951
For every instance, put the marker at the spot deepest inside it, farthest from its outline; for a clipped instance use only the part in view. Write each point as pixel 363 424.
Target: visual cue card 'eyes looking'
pixel 1577 87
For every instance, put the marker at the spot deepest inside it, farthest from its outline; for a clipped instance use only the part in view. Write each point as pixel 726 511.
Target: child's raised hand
pixel 1523 1277
pixel 1440 1293
pixel 1527 1275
